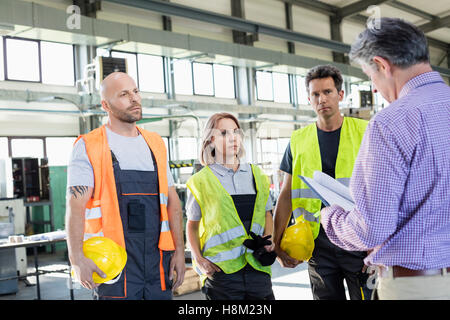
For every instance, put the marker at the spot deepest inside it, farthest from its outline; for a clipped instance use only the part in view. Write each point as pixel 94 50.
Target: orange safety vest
pixel 102 217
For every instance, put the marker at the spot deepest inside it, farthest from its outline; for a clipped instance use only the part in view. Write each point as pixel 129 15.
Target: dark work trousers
pixel 138 195
pixel 328 268
pixel 247 283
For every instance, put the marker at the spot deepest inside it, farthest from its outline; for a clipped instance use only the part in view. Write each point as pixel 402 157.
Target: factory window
pixel 203 78
pixel 59 150
pixel 281 87
pixel 264 87
pixel 33 148
pixel 272 86
pixel 131 63
pixel 2 72
pixel 4 148
pixel 302 92
pixel 187 148
pixel 182 77
pixel 271 150
pixel 166 143
pixel 282 145
pixel 57 63
pixel 151 73
pixel 224 81
pixel 22 60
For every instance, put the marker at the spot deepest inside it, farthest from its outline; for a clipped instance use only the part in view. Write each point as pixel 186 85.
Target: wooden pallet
pixel 190 284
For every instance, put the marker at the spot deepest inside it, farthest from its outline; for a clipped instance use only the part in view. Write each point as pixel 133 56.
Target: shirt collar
pixel 222 170
pixel 420 80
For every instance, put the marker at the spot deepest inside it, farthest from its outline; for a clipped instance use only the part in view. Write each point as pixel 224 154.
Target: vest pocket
pixel 136 216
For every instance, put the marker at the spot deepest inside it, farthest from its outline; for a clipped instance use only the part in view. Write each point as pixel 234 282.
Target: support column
pixel 336 34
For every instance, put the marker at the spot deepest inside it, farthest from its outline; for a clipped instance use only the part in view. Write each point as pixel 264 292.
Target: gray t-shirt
pixel 239 182
pixel 132 153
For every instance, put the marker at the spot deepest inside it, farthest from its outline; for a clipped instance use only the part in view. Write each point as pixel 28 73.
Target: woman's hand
pixel 206 266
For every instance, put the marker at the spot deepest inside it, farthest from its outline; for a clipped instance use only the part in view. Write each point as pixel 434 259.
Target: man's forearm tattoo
pixel 78 191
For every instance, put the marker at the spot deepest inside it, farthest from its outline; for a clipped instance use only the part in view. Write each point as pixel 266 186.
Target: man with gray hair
pixel 401 177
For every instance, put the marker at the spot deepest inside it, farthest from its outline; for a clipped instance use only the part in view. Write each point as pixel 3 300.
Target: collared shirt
pixel 401 182
pixel 239 182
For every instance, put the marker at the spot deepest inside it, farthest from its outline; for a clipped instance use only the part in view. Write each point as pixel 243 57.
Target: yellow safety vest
pixel 306 159
pixel 221 230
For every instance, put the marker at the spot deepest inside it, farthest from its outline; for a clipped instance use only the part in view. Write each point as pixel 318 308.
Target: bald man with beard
pixel 143 209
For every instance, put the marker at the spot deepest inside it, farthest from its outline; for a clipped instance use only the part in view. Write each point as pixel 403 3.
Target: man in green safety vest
pixel 330 145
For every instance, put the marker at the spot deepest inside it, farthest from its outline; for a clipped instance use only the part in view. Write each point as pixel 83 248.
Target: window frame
pixel 163 65
pixel 256 85
pixel 73 63
pixel 5 59
pixel 212 77
pixel 234 80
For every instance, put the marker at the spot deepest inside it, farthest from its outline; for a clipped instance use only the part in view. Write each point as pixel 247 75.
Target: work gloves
pixel 259 252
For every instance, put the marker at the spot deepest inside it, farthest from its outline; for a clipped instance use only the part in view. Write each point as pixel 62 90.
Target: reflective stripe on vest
pixel 306 159
pixel 221 231
pixel 309 216
pixel 93 213
pixel 91 235
pixel 309 194
pixel 163 199
pixel 224 237
pixel 227 255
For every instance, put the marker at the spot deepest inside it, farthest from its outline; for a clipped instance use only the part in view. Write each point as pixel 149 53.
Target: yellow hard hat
pixel 298 240
pixel 107 255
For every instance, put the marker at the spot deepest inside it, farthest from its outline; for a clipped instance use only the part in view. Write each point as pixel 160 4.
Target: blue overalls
pixel 138 195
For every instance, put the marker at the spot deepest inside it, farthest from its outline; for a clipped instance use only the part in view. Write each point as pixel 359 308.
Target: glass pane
pixel 3 148
pixel 281 87
pixel 269 150
pixel 187 148
pixel 151 73
pixel 23 60
pixel 264 85
pixel 203 79
pixel 302 92
pixel 33 148
pixel 5 170
pixel 59 150
pixel 102 52
pixel 166 143
pixel 57 63
pixel 224 81
pixel 131 63
pixel 282 145
pixel 182 77
pixel 2 73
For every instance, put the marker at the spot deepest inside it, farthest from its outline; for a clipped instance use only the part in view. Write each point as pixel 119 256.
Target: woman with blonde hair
pixel 229 217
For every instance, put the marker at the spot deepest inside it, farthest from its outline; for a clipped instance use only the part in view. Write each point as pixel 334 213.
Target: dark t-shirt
pixel 328 144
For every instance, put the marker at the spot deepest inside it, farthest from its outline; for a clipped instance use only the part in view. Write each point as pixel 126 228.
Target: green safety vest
pixel 306 159
pixel 221 230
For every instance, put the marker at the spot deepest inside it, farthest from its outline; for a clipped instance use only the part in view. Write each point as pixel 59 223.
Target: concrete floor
pixel 288 284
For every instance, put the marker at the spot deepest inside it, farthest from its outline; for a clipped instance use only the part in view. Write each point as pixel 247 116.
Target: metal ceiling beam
pixel 233 23
pixel 315 6
pixel 357 7
pixel 330 10
pixel 435 24
pixel 412 10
